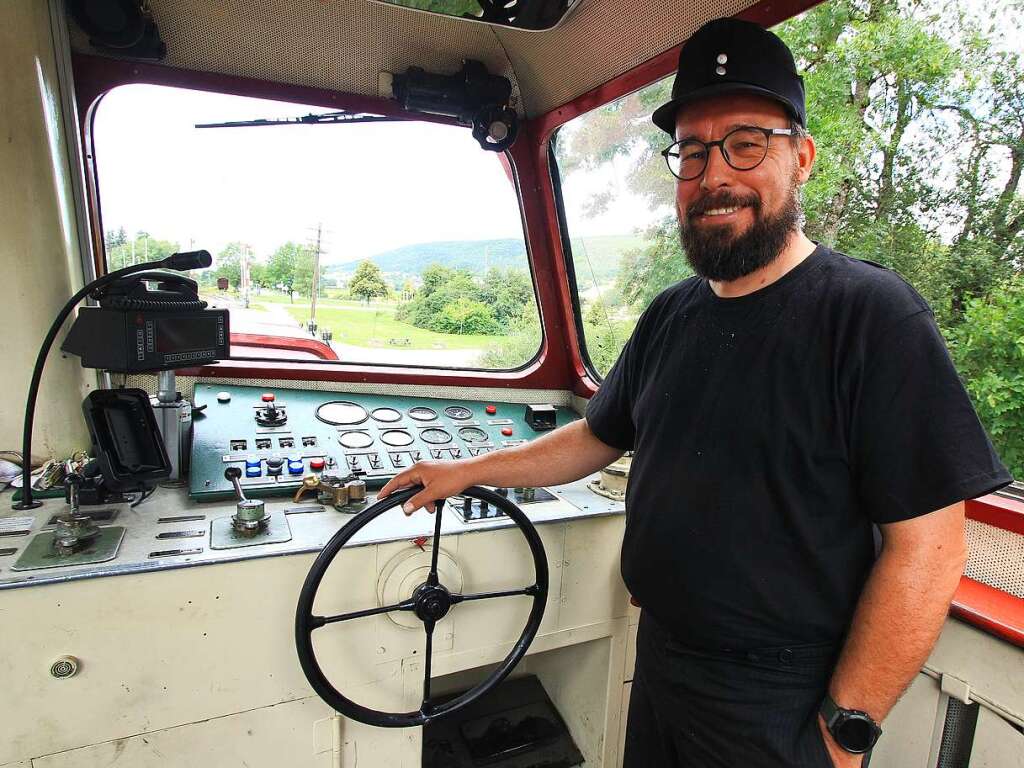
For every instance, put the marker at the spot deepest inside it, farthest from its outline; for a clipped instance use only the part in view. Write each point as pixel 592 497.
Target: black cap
pixel 734 56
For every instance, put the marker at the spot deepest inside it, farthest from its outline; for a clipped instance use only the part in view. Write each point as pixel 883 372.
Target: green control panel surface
pixel 277 436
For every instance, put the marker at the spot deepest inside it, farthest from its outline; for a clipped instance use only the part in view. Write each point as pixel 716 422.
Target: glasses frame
pixel 708 145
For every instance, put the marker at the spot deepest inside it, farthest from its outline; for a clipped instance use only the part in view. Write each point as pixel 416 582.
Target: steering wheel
pixel 429 602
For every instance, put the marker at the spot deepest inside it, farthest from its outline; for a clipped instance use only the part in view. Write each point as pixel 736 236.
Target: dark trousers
pixel 725 709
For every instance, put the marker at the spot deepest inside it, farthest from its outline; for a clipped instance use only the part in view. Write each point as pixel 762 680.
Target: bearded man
pixel 785 404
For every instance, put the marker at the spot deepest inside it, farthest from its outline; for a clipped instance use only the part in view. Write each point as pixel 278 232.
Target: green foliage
pixel 988 349
pixel 516 348
pixel 464 316
pixel 367 282
pixel 647 271
pixel 453 301
pixel 123 251
pixel 229 263
pixel 302 274
pixel 282 266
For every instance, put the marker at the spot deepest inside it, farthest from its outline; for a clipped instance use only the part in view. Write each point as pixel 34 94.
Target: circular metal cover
pixel 387 415
pixel 422 413
pixel 396 437
pixel 435 436
pixel 473 435
pixel 459 412
pixel 341 412
pixel 355 439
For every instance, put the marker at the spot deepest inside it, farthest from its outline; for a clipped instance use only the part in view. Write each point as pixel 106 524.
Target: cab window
pixel 384 243
pixel 918 168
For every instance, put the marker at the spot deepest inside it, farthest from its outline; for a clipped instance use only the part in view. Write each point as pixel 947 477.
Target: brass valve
pixel 340 491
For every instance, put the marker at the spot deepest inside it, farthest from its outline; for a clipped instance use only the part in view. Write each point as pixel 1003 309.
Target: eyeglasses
pixel 743 148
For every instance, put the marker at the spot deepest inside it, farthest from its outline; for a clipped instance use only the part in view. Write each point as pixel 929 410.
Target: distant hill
pixel 479 255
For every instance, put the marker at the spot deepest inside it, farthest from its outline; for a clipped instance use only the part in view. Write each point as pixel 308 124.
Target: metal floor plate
pixel 40 553
pixel 224 536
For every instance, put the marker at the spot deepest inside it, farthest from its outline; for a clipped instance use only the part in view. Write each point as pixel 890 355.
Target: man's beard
pixel 717 254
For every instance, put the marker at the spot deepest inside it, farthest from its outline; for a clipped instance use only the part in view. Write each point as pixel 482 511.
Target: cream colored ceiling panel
pixel 345 44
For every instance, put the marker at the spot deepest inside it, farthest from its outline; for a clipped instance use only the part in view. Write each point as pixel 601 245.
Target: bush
pixel 988 348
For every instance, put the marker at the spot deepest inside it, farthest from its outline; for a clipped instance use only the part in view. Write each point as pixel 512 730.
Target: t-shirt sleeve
pixel 610 411
pixel 916 442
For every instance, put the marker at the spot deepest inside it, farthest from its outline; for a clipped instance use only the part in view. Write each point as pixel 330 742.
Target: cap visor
pixel 665 116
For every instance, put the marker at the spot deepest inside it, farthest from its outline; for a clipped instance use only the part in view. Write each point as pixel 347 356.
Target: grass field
pixel 373 325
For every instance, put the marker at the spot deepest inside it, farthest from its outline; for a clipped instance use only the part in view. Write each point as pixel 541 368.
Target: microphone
pixel 187 260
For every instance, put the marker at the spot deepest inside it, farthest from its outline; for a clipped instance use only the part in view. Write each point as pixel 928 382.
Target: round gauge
pixel 422 413
pixel 435 436
pixel 459 412
pixel 386 415
pixel 473 435
pixel 355 439
pixel 396 437
pixel 341 412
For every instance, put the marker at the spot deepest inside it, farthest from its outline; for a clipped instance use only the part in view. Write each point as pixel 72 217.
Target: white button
pixel 720 70
pixel 223 397
pixel 722 58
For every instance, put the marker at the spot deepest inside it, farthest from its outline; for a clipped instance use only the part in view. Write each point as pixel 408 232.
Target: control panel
pixel 275 437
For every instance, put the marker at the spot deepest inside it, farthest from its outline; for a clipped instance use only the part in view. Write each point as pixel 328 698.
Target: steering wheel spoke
pixel 531 591
pixel 432 579
pixel 315 622
pixel 427 653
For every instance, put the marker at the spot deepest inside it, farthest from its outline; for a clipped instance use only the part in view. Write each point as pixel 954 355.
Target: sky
pixel 374 187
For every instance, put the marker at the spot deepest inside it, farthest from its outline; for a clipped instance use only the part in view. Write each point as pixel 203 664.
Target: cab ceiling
pixel 344 45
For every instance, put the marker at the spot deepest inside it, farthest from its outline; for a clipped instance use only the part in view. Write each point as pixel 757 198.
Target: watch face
pixel 855 733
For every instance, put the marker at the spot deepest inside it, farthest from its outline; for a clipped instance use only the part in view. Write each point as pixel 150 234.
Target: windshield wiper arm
pixel 326 118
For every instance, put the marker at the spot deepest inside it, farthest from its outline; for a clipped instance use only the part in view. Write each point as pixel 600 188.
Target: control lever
pixel 250 514
pixel 74 530
pixel 340 491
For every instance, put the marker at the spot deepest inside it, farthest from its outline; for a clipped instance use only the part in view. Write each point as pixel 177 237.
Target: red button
pixel 316 464
pixel 268 397
pixel 491 410
pixel 506 431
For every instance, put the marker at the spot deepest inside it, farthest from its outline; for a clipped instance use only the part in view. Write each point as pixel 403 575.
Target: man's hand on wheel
pixel 440 479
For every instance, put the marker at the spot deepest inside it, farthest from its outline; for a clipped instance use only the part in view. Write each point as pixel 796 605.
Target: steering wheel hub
pixel 432 602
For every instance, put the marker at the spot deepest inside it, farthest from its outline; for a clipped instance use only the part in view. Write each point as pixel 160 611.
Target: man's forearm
pixel 898 619
pixel 561 456
pixel 567 454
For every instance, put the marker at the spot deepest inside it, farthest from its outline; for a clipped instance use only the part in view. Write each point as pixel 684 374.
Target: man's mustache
pixel 722 200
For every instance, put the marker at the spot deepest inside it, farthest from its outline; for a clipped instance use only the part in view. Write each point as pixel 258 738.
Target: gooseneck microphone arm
pixel 177 261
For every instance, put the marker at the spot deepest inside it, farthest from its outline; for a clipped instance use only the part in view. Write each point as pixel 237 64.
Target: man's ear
pixel 806 151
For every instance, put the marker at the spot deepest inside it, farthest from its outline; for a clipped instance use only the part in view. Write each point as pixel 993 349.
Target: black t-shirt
pixel 771 431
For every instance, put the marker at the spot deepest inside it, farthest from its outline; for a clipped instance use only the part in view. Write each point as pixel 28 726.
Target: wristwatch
pixel 852 729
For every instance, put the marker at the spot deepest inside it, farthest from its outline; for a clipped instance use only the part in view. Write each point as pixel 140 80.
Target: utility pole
pixel 316 271
pixel 244 276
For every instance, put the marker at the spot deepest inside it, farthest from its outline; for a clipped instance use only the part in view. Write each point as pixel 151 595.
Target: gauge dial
pixel 422 413
pixel 459 412
pixel 435 436
pixel 386 415
pixel 341 412
pixel 473 435
pixel 355 439
pixel 396 437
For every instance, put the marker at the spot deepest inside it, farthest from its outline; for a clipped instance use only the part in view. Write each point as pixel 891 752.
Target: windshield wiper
pixel 325 118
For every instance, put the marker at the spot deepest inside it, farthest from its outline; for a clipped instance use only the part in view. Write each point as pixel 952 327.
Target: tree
pixel 508 293
pixel 123 252
pixel 367 282
pixel 988 349
pixel 282 265
pixel 303 274
pixel 228 263
pixel 259 276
